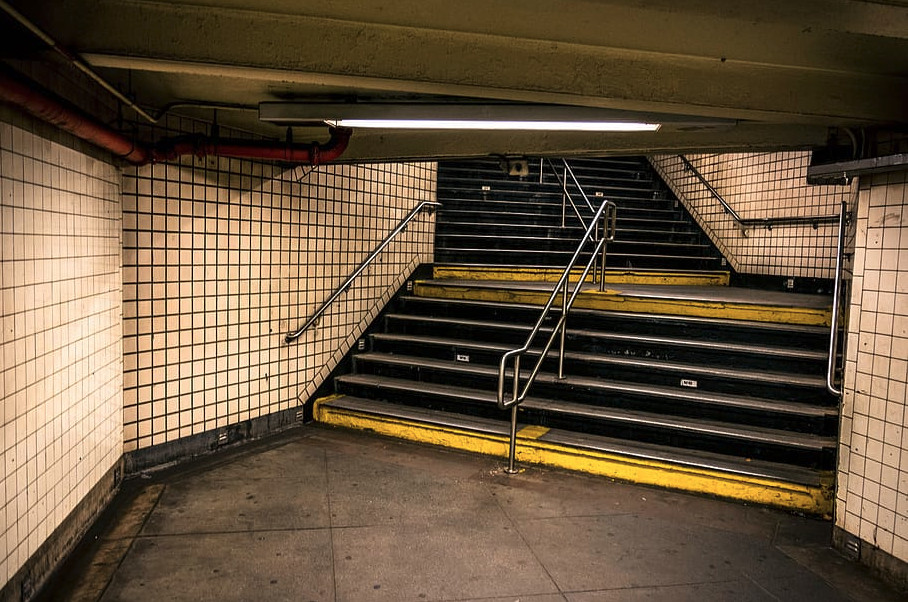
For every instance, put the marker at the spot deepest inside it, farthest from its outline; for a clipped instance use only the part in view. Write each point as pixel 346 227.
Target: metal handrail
pixel 612 222
pixel 766 222
pixel 836 294
pixel 359 270
pixel 565 193
pixel 728 208
pixel 842 219
pixel 607 213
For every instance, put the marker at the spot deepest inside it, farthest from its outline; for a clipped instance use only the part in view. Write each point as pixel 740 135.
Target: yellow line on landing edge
pixel 615 301
pixel 612 276
pixel 533 431
pixel 815 500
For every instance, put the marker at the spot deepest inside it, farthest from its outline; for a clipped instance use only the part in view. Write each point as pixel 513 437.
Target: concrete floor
pixel 327 515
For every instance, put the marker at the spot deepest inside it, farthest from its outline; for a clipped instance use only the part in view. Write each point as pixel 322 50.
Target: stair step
pixel 787 443
pixel 689 458
pixel 702 301
pixel 529 220
pixel 709 328
pixel 681 370
pixel 572 230
pixel 518 332
pixel 549 274
pixel 559 257
pixel 603 388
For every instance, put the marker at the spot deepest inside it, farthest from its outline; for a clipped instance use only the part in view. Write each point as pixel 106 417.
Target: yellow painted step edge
pixel 770 492
pixel 613 301
pixel 552 275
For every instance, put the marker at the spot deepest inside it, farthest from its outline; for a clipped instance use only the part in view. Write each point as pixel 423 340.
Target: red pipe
pixel 57 112
pixel 201 146
pixel 66 117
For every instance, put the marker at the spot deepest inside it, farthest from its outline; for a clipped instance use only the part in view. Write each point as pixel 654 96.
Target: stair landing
pixel 683 300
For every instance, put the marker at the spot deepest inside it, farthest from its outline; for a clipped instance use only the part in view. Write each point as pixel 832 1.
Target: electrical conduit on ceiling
pixel 41 104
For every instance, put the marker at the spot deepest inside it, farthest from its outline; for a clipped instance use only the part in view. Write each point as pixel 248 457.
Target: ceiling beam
pixel 314 51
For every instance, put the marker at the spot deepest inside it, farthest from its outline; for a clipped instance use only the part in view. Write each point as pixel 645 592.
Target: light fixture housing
pixel 459 115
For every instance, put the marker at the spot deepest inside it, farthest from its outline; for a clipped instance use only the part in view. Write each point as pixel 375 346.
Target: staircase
pixel 491 219
pixel 703 388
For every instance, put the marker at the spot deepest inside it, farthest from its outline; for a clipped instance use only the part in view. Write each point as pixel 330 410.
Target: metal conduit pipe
pixel 40 104
pixel 44 106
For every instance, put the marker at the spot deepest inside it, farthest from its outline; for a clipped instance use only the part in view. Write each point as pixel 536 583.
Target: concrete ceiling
pixel 783 72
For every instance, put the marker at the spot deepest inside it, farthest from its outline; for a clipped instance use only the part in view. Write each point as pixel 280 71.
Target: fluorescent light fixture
pixel 466 124
pixel 458 116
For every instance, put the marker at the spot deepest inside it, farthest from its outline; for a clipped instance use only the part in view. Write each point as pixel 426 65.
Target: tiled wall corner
pixel 61 375
pixel 758 185
pixel 222 259
pixel 872 495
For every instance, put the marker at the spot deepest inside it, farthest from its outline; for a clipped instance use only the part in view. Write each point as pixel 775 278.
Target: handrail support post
pixel 606 214
pixel 512 446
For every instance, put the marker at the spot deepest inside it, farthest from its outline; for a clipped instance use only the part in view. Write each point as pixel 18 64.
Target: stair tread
pixel 687 369
pixel 730 295
pixel 568 239
pixel 690 343
pixel 642 451
pixel 698 320
pixel 565 253
pixel 700 397
pixel 511 216
pixel 529 266
pixel 573 230
pixel 626 417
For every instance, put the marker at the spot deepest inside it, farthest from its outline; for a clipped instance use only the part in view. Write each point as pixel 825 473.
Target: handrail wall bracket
pixel 745 224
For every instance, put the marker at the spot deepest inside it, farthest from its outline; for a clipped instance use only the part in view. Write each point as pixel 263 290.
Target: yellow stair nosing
pixel 610 300
pixel 614 275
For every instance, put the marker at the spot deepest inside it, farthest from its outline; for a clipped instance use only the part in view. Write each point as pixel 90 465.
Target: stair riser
pixel 416 399
pixel 549 213
pixel 559 259
pixel 573 233
pixel 642 198
pixel 535 244
pixel 531 221
pixel 514 337
pixel 549 388
pixel 608 322
pixel 650 375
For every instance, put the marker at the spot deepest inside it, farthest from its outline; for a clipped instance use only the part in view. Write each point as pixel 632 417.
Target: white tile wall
pixel 222 259
pixel 872 495
pixel 61 375
pixel 758 185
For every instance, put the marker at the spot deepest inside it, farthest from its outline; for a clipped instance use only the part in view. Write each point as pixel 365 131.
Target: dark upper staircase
pixel 489 218
pixel 697 389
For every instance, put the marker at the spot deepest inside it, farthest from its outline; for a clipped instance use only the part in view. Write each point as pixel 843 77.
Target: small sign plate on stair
pixel 688 383
pixel 486 188
pixel 462 357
